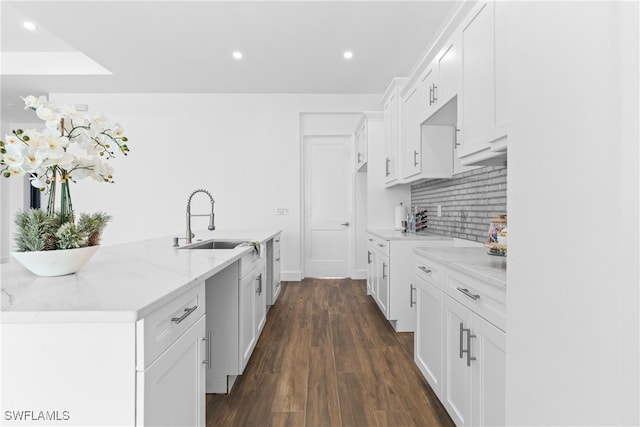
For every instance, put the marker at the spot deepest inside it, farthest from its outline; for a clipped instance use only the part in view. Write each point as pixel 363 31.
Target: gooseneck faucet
pixel 189 215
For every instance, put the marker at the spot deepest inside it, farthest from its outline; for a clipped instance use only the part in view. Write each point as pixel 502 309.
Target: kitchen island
pixel 121 342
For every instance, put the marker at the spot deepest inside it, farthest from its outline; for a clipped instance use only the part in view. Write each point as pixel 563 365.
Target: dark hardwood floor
pixel 327 357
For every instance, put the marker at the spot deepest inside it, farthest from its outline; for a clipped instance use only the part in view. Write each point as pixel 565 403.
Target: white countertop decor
pixel 121 283
pixel 474 262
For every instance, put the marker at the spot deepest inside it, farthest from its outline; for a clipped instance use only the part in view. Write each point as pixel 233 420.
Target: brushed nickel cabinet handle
pixel 467 293
pixel 425 269
pixel 207 361
pixel 415 158
pixel 187 311
pixel 384 270
pixel 411 301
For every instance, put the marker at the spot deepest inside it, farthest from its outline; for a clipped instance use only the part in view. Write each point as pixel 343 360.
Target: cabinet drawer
pixel 430 272
pixel 482 298
pixel 378 244
pixel 160 329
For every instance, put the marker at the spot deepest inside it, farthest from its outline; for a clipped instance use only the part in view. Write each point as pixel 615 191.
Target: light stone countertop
pixel 121 283
pixel 474 262
pixel 391 234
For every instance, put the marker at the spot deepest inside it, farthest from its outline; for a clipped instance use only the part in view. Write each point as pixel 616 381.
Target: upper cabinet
pixel 361 141
pixel 391 114
pixel 451 113
pixel 429 132
pixel 483 119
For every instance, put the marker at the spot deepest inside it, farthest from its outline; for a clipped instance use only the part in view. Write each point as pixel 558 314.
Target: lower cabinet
pixel 460 353
pixel 390 276
pixel 237 307
pixel 171 391
pixel 428 337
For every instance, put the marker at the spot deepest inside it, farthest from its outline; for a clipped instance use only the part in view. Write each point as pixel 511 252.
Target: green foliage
pixel 69 236
pixel 38 231
pixel 92 225
pixel 34 227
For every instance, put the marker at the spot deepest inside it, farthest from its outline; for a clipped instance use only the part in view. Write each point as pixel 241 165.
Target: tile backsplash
pixel 467 201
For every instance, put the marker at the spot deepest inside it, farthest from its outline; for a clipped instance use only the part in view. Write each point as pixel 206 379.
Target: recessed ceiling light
pixel 29 25
pixel 348 55
pixel 237 55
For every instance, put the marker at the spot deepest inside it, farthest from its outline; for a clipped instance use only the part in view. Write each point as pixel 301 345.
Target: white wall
pixel 573 302
pixel 243 148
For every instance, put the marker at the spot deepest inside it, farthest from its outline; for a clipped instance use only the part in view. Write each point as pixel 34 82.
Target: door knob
pixel 346 224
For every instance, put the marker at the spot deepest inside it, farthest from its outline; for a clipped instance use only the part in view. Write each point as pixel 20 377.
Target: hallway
pixel 327 357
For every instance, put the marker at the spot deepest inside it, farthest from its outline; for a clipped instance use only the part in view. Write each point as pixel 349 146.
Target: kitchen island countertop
pixel 474 262
pixel 121 283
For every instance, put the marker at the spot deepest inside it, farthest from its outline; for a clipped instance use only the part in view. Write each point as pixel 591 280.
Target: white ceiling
pixel 186 46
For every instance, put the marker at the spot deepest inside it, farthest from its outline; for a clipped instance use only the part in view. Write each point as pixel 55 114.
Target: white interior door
pixel 328 188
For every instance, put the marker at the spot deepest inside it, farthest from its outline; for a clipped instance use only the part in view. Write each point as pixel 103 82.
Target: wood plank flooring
pixel 327 357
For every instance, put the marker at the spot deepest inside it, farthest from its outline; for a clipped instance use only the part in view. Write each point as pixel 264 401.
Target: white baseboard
pixel 290 276
pixel 360 275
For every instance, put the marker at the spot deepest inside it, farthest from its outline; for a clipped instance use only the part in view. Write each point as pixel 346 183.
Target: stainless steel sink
pixel 215 244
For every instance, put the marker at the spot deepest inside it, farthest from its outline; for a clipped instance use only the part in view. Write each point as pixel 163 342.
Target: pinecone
pixel 49 243
pixel 94 238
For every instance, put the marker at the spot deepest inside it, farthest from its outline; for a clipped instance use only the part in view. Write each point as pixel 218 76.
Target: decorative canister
pixel 497 236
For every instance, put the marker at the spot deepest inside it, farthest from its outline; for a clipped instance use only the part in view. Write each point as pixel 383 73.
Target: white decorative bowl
pixel 55 263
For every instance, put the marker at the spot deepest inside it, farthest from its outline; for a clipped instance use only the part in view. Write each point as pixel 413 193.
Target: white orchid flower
pixel 117 130
pixel 33 102
pixel 39 181
pixel 52 145
pixel 13 157
pixel 102 171
pixel 15 171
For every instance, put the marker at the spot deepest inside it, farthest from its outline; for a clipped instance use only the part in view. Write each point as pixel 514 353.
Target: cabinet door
pixel 489 349
pixel 428 336
pixel 391 137
pixel 411 117
pixel 171 391
pixel 261 300
pixel 501 73
pixel 449 70
pixel 247 319
pixel 371 271
pixel 382 289
pixel 277 282
pixel 428 92
pixel 478 96
pixel 457 378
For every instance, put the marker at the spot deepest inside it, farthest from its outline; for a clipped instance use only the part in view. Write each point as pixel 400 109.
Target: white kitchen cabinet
pixel 237 301
pixel 261 299
pixel 412 116
pixel 390 275
pixel 391 115
pixel 273 274
pixel 483 96
pixel 456 393
pixel 247 319
pixel 460 347
pixel 361 144
pixel 428 336
pixel 170 392
pixel 382 282
pixel 489 375
pixel 449 70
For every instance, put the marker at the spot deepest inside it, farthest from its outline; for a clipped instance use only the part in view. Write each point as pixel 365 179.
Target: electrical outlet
pixel 282 211
pixel 439 210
